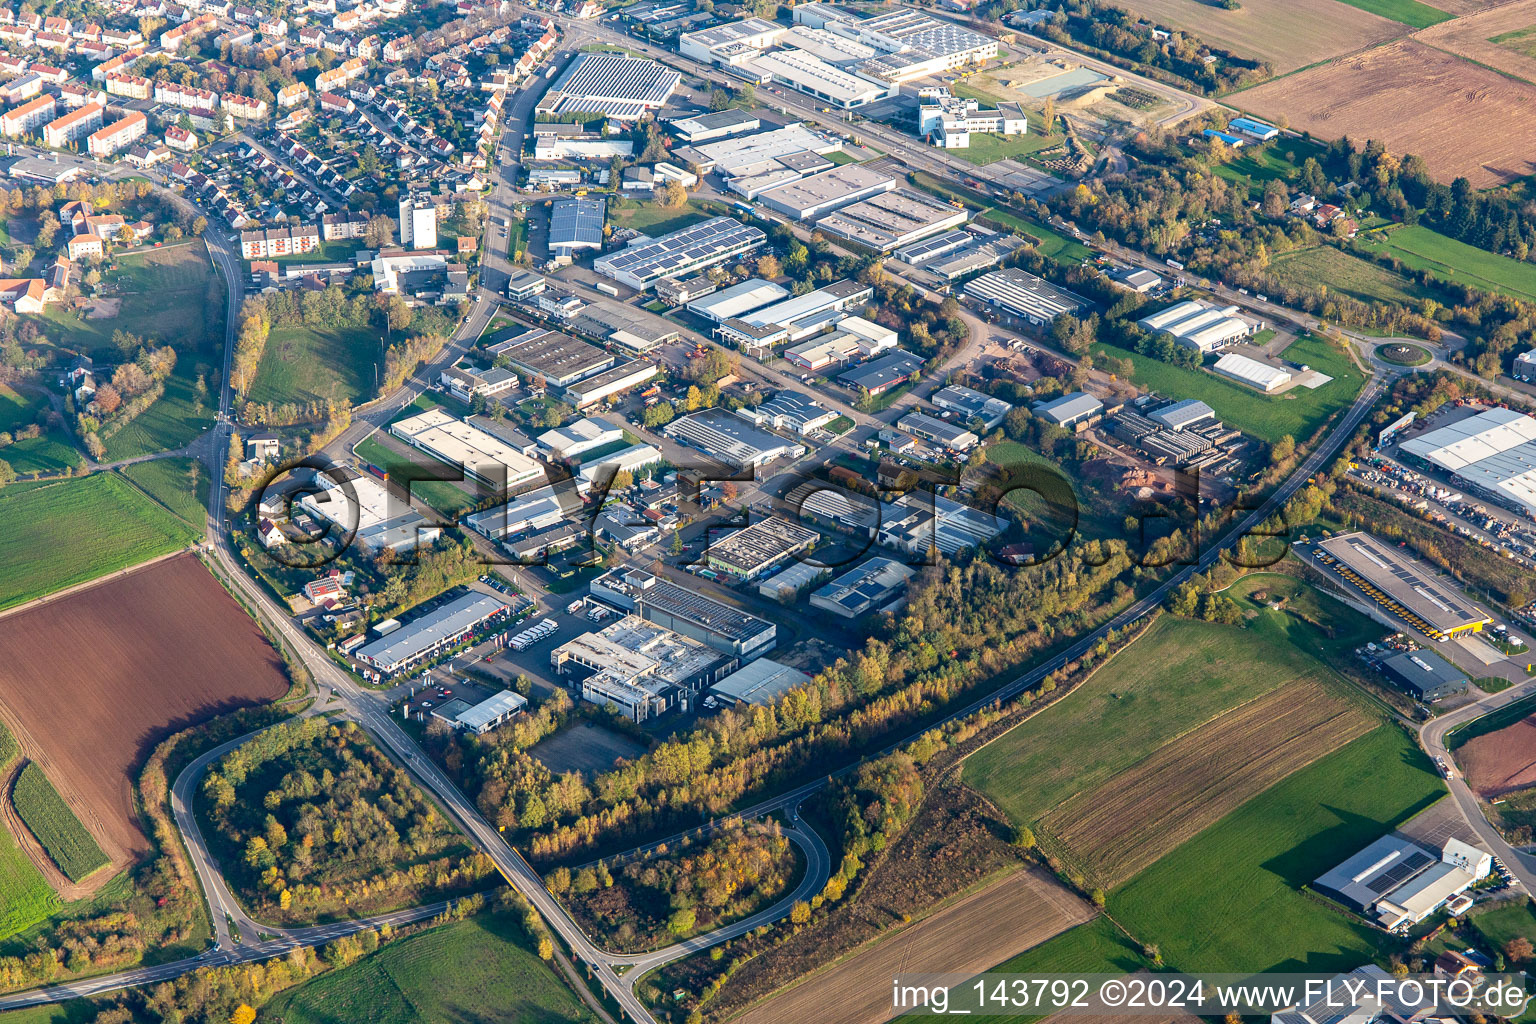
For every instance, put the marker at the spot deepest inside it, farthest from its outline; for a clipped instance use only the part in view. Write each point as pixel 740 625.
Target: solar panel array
pixel 607 76
pixel 576 222
pixel 681 250
pixel 1399 873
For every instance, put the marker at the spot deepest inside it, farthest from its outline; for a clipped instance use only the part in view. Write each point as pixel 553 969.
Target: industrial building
pixel 602 386
pixel 731 43
pixel 831 505
pixel 1200 442
pixel 805 72
pixel 972 405
pixel 764 682
pixel 641 668
pixel 810 197
pixel 623 325
pixel 1258 375
pixel 527 514
pixel 949 121
pixel 1136 279
pixel 620 87
pixel 1022 294
pixel 891 220
pixel 854 340
pixel 1069 410
pixel 579 436
pixel 555 358
pixel 424 635
pixel 864 589
pixel 1182 414
pixel 719 124
pixel 1400 588
pixel 753 293
pixel 1492 454
pixel 786 584
pixel 783 149
pixel 1201 326
pixel 364 511
pixel 882 374
pixel 919 522
pixel 812 312
pixel 481 456
pixel 731 440
pixel 1425 674
pixel 574 225
pixel 481 718
pixel 978 249
pixel 747 553
pixel 654 599
pixel 690 249
pixel 953 436
pixel 788 410
pixel 626 460
pixel 1400 883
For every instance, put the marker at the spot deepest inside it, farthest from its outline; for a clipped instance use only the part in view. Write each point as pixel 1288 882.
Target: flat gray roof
pixel 426 631
pixel 1403 579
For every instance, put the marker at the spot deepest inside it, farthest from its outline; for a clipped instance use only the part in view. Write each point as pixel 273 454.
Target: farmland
pixel 1502 37
pixel 1230 899
pixel 60 534
pixel 1287 33
pixel 1298 412
pixel 970 935
pixel 171 482
pixel 475 970
pixel 1501 762
pixel 25 896
pixel 1423 248
pixel 1468 120
pixel 1178 676
pixel 304 365
pixel 58 830
pixel 1132 820
pixel 173 421
pixel 1342 273
pixel 127 662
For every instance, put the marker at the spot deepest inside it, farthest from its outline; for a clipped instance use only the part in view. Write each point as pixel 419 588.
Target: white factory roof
pixel 762 682
pixel 1473 439
pixel 760 151
pixel 738 299
pixel 459 444
pixel 489 710
pixel 1183 414
pixel 804 70
pixel 1251 371
pixel 828 190
pixel 892 219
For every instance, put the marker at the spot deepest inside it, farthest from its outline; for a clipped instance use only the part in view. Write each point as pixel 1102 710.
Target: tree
pixel 243 1015
pixel 672 195
pixel 800 912
pixel 1518 950
pixel 768 267
pixel 107 399
pixel 7 473
pixel 546 948
pixel 379 232
pixel 682 921
pixel 125 235
pixel 1024 838
pixel 1283 449
pixel 199 225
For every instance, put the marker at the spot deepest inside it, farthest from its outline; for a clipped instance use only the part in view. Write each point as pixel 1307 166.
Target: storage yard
pixel 127 662
pixel 1468 121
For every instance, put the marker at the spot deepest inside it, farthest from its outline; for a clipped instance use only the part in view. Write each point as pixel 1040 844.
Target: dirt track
pixel 91 682
pixel 972 935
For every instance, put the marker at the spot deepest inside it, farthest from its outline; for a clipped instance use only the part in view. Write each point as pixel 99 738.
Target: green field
pixel 1230 899
pixel 1096 518
pixel 1408 12
pixel 1302 606
pixel 301 365
pixel 64 533
pixel 1178 676
pixel 9 748
pixel 446 497
pixel 985 149
pixel 170 295
pixel 1279 159
pixel 169 481
pixel 43 811
pixel 49 452
pixel 1512 920
pixel 477 970
pixel 1456 262
pixel 1298 412
pixel 25 898
pixel 172 422
pixel 838 156
pixel 651 218
pixel 17 409
pixel 1344 274
pixel 1521 41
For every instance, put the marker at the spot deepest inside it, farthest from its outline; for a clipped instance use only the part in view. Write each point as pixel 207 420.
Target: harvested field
pixel 971 935
pixel 1467 120
pixel 93 680
pixel 1141 814
pixel 1500 37
pixel 1501 762
pixel 1289 34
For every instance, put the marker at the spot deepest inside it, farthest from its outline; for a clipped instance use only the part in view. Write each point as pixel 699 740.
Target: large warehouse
pixel 527 514
pixel 748 553
pixel 1400 883
pixel 1492 453
pixel 1022 294
pixel 362 507
pixel 719 625
pixel 719 124
pixel 1425 674
pixel 862 590
pixel 737 300
pixel 1400 588
pixel 805 72
pixel 1252 372
pixel 424 635
pixel 881 375
pixel 1199 325
pixel 575 224
pixel 640 667
pixel 822 193
pixel 558 359
pixel 731 440
pixel 648 260
pixel 891 220
pixel 482 456
pixel 623 88
pixel 601 386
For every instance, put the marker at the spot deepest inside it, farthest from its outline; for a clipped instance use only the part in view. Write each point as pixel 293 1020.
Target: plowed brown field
pixel 1288 33
pixel 1464 120
pixel 1130 821
pixel 90 682
pixel 967 937
pixel 1501 762
pixel 1472 37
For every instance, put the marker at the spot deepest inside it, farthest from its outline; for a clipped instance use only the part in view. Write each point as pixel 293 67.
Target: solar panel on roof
pixel 1399 873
